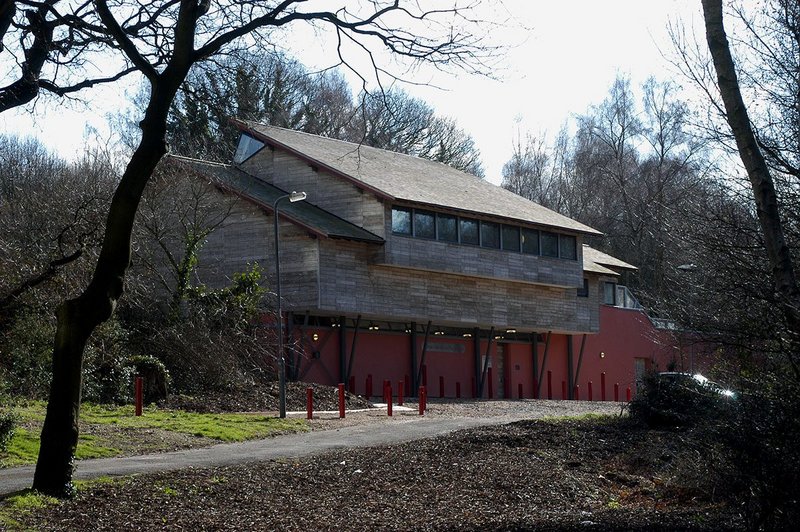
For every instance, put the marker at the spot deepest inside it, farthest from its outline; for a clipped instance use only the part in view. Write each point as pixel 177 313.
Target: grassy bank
pixel 109 430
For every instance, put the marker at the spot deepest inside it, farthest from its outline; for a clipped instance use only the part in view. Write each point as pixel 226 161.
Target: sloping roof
pixel 319 221
pixel 599 262
pixel 400 177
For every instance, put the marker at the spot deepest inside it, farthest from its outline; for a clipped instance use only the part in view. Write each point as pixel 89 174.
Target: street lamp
pixel 293 197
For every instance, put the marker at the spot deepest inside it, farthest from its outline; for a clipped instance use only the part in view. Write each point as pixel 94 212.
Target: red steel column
pixel 603 386
pixel 341 400
pixel 549 384
pixel 590 390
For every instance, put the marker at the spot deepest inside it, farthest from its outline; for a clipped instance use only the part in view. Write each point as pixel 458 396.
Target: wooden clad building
pixel 404 269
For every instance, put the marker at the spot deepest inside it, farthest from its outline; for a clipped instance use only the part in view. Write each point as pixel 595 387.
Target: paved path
pixel 291 445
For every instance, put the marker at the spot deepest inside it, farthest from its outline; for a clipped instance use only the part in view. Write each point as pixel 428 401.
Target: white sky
pixel 565 62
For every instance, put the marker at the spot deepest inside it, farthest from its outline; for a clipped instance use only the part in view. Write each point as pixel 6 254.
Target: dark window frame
pixel 498 231
pixel 584 291
pixel 461 232
pixel 440 216
pixel 501 230
pixel 423 212
pixel 410 212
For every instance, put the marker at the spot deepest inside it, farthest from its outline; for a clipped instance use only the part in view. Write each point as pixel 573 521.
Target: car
pixel 695 380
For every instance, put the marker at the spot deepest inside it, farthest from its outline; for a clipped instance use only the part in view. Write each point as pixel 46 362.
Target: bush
pixel 107 372
pixel 154 375
pixel 8 422
pixel 764 438
pixel 681 402
pixel 28 348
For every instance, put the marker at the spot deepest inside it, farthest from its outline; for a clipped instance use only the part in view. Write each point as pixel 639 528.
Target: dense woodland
pixel 659 175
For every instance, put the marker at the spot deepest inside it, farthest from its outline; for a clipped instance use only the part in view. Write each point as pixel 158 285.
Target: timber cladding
pixel 350 284
pixel 324 190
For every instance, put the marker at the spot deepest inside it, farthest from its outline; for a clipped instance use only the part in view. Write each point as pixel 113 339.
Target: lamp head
pixel 297 196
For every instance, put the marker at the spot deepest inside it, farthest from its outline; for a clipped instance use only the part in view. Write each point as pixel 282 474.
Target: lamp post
pixel 293 197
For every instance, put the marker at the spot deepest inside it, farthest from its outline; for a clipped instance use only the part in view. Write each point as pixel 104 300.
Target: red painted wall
pixel 625 335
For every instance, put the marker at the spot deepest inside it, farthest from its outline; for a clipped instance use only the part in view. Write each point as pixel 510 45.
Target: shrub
pixel 764 438
pixel 680 402
pixel 154 375
pixel 107 373
pixel 8 422
pixel 28 348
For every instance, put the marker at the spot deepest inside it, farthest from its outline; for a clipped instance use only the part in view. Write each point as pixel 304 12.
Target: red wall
pixel 625 335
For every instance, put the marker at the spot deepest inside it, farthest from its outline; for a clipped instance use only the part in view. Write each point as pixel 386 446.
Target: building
pixel 404 269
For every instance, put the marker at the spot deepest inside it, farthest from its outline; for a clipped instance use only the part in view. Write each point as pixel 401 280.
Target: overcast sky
pixel 565 56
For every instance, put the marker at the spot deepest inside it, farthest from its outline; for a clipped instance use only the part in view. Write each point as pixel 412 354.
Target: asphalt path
pixel 398 430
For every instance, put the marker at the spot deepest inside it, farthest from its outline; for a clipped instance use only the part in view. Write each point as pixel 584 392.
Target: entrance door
pixel 639 369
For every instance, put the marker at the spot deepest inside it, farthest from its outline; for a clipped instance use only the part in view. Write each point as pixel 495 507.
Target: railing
pixel 625 299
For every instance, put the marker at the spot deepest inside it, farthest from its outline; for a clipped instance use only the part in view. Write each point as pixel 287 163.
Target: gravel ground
pixel 536 474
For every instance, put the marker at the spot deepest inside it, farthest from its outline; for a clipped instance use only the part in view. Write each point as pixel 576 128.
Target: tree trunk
pixel 77 318
pixel 757 171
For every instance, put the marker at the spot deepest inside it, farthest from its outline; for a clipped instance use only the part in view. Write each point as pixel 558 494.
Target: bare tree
pixel 49 41
pixel 761 180
pixel 163 41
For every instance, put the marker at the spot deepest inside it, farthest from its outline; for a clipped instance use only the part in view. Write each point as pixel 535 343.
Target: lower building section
pixel 480 363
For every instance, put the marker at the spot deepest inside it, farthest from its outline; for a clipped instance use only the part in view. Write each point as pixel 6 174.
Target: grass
pixel 24 445
pixel 17 505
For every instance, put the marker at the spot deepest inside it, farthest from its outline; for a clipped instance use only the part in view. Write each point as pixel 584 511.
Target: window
pixel 469 231
pixel 568 247
pixel 490 235
pixel 424 224
pixel 530 241
pixel 447 227
pixel 451 228
pixel 246 148
pixel 584 292
pixel 510 238
pixel 549 244
pixel 401 221
pixel 610 293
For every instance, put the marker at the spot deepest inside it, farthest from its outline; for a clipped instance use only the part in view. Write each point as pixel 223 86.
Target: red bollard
pixel 353 384
pixel 341 400
pixel 400 390
pixel 603 386
pixel 388 394
pixel 519 387
pixel 628 394
pixel 491 383
pixel 577 392
pixel 385 384
pixel 564 390
pixel 616 392
pixel 458 390
pixel 309 403
pixel 138 387
pixel 549 384
pixel 421 400
pixel 368 386
pixel 441 387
